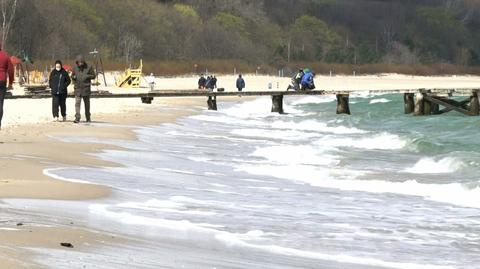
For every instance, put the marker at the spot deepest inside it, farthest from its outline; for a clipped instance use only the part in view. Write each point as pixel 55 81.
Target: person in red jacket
pixel 6 73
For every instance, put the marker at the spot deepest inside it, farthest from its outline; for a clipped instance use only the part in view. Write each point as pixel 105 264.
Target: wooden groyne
pixel 420 102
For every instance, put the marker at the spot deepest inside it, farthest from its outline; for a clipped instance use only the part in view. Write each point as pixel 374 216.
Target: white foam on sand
pixel 206 233
pixel 50 172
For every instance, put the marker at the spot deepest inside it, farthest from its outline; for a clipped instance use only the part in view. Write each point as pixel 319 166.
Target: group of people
pixel 59 80
pixel 208 83
pixel 303 80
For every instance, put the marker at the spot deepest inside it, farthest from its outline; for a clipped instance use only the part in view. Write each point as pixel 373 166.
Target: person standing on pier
pixel 202 82
pixel 6 72
pixel 59 80
pixel 82 76
pixel 240 83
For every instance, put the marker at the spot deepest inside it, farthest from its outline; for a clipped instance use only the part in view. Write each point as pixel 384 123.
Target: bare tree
pixel 8 8
pixel 131 46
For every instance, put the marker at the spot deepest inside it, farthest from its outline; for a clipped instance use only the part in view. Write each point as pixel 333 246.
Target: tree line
pixel 271 32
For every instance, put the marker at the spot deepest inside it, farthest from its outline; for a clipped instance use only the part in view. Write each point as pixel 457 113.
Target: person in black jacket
pixel 240 83
pixel 202 82
pixel 59 81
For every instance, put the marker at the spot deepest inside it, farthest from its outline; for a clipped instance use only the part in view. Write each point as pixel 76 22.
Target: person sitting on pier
pixel 307 80
pixel 202 82
pixel 296 80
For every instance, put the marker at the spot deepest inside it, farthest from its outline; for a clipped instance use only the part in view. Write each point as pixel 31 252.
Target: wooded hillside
pixel 271 32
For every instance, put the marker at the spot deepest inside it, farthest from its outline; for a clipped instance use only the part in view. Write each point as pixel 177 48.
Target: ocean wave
pixel 295 155
pixel 383 141
pixel 379 101
pixel 440 166
pixel 275 134
pixel 313 125
pixel 313 100
pixel 346 180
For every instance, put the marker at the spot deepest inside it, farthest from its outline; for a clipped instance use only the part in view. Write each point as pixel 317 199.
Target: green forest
pixel 273 33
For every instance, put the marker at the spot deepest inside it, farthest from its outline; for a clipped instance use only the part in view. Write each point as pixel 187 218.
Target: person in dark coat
pixel 82 77
pixel 202 82
pixel 59 81
pixel 240 83
pixel 213 82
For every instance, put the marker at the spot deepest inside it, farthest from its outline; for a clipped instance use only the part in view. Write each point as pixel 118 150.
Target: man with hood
pixel 240 83
pixel 82 77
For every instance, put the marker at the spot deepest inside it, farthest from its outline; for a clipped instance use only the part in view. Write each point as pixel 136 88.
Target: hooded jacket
pixel 307 81
pixel 59 81
pixel 82 77
pixel 6 68
pixel 240 83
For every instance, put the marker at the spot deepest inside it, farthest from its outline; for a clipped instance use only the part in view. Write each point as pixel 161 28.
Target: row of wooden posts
pixel 422 103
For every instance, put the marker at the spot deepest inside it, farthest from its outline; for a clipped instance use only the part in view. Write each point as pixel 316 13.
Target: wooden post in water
pixel 419 107
pixel 435 109
pixel 427 106
pixel 277 104
pixel 343 106
pixel 409 99
pixel 474 107
pixel 212 102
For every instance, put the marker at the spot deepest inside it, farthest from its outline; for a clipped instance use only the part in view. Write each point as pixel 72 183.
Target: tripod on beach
pixel 98 64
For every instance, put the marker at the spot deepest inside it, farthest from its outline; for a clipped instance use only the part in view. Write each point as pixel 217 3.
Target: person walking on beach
pixel 82 76
pixel 240 83
pixel 6 72
pixel 59 81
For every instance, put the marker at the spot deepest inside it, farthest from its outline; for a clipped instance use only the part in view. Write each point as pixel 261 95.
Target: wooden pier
pixel 420 102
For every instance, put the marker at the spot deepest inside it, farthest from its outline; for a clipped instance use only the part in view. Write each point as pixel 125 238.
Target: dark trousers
pixel 3 92
pixel 78 103
pixel 59 100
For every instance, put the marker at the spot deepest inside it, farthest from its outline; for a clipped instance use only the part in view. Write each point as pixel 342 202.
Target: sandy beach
pixel 30 143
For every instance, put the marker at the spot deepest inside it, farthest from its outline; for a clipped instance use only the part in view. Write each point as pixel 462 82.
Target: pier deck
pixel 418 101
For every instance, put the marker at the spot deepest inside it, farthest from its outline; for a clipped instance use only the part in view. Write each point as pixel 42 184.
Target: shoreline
pixel 28 151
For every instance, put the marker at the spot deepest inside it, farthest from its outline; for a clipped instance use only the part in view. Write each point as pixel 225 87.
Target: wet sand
pixel 27 149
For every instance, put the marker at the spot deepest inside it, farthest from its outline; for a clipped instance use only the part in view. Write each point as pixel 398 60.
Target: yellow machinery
pixel 131 77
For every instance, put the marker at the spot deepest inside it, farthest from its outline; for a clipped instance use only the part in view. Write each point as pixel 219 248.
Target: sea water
pixel 244 188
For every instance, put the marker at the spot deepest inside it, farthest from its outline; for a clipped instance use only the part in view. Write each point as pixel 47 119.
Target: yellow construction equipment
pixel 131 77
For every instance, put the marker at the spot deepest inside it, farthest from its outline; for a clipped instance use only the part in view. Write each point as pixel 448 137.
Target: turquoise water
pixel 245 188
